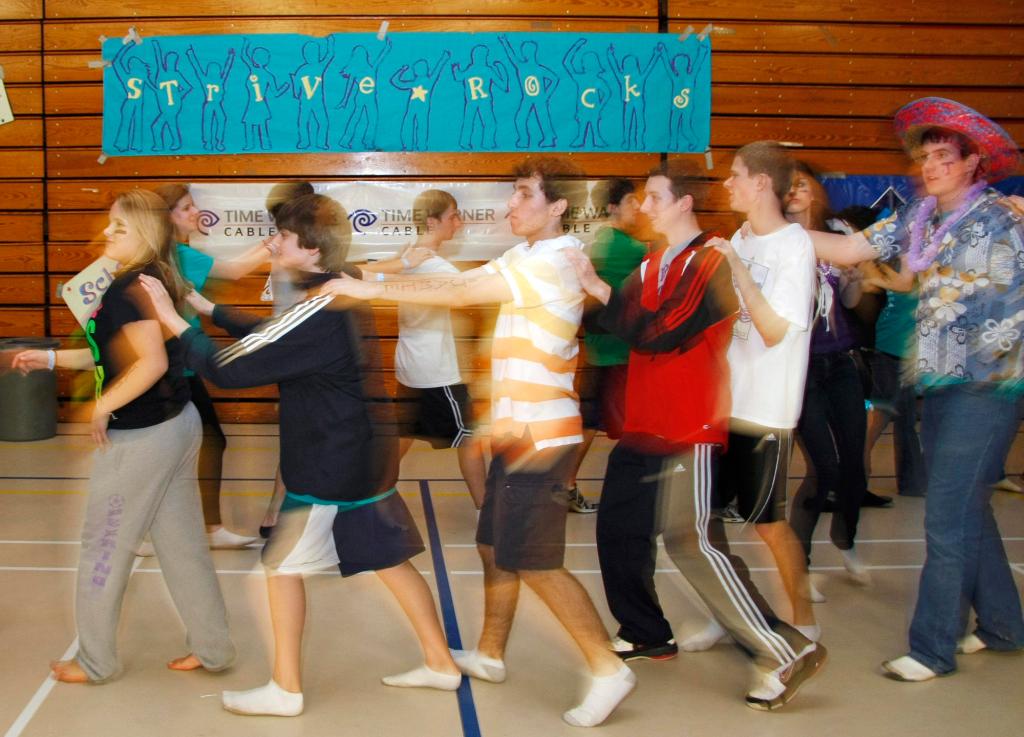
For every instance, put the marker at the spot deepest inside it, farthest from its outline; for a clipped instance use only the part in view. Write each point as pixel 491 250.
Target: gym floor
pixel 356 634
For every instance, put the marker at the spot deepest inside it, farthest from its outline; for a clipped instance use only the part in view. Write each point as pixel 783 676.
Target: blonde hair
pixel 148 214
pixel 433 203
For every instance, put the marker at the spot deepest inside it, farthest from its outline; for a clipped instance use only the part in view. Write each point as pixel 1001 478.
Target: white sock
pixel 604 695
pixel 767 687
pixel 270 700
pixel 816 596
pixel 424 677
pixel 811 631
pixel 472 663
pixel 705 639
pixel 857 570
pixel 908 669
pixel 222 537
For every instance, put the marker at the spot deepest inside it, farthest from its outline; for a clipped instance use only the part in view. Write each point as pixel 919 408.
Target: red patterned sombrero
pixel 1000 154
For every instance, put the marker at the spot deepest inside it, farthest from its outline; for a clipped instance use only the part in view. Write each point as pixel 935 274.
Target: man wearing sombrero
pixel 965 242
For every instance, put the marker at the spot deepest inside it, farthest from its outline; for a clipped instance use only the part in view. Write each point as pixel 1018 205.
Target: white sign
pixel 6 116
pixel 234 216
pixel 83 293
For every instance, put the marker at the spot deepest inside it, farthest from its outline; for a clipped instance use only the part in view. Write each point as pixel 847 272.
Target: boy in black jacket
pixel 341 507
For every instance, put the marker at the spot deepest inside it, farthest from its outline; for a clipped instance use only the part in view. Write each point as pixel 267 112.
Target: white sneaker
pixel 1008 484
pixel 970 644
pixel 776 688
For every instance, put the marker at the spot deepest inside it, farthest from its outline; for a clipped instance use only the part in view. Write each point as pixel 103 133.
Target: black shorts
pixel 443 415
pixel 755 470
pixel 311 537
pixel 525 506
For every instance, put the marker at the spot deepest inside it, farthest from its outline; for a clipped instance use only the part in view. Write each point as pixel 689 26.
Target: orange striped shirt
pixel 535 349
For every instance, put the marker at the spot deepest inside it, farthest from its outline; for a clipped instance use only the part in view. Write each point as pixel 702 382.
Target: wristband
pixel 51 359
pixel 380 276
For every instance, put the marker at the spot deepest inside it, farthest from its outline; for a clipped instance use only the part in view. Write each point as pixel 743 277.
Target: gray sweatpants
pixel 146 482
pixel 696 542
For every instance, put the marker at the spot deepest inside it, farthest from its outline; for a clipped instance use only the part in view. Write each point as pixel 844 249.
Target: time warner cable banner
pixel 233 216
pixel 286 93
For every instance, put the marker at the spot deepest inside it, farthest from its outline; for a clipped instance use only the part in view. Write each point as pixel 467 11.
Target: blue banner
pixel 287 93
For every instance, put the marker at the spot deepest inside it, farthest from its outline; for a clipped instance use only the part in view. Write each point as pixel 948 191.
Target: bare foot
pixel 68 671
pixel 186 662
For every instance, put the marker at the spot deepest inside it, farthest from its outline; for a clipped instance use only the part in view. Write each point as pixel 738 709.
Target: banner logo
pixel 362 219
pixel 207 219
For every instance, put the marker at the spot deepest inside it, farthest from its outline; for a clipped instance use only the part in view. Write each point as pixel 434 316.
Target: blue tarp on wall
pixel 886 191
pixel 409 92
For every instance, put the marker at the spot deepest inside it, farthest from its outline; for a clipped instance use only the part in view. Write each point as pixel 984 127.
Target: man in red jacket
pixel 676 311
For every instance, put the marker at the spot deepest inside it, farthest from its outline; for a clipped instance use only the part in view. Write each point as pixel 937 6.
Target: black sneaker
pixel 875 500
pixel 629 651
pixel 578 503
pixel 728 513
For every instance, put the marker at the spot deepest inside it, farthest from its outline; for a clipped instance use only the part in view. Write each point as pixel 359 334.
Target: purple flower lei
pixel 918 260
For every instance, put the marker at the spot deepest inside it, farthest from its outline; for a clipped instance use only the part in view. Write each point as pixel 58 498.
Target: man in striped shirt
pixel 535 425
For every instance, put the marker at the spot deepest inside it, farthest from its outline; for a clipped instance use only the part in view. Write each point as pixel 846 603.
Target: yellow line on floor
pixel 42 491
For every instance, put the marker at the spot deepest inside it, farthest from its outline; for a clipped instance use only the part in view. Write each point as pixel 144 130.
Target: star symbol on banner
pixel 419 93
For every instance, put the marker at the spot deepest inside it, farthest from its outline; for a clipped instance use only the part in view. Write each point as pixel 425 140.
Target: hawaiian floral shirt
pixel 971 308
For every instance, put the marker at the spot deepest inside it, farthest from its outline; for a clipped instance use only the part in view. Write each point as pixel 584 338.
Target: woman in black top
pixel 147 434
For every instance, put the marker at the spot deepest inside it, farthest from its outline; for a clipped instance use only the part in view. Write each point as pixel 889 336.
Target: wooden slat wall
pixel 825 74
pixel 22 170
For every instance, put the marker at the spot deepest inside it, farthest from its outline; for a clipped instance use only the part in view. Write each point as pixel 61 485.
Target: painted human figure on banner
pixel 593 93
pixel 260 85
pixel 213 82
pixel 416 121
pixel 170 87
pixel 133 75
pixel 360 75
pixel 479 80
pixel 632 81
pixel 308 89
pixel 684 70
pixel 537 84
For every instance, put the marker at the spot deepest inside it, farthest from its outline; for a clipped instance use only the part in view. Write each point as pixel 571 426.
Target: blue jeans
pixel 966 431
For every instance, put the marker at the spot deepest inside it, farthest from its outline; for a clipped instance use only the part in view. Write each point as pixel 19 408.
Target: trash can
pixel 28 403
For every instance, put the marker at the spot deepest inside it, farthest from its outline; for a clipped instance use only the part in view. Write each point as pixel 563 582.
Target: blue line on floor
pixel 467 707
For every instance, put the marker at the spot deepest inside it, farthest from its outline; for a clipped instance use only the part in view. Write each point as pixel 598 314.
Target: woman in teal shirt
pixel 197 267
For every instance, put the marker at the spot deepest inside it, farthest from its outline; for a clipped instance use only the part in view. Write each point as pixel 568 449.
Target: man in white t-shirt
pixel 426 362
pixel 535 425
pixel 772 263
